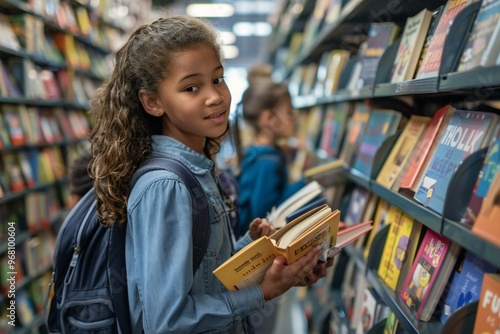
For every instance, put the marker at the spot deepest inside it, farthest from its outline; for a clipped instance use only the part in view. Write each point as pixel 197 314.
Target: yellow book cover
pixel 403 251
pixel 316 227
pixel 400 153
pixel 393 219
pixel 379 222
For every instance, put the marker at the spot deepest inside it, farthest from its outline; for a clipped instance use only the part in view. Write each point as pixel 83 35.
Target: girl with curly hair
pixel 167 96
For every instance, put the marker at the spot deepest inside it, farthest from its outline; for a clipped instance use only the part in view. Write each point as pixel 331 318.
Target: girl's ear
pixel 150 103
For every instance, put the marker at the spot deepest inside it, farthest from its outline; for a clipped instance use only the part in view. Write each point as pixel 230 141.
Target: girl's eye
pixel 219 80
pixel 192 89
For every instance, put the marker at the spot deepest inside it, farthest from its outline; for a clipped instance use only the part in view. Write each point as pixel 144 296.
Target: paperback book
pixel 317 228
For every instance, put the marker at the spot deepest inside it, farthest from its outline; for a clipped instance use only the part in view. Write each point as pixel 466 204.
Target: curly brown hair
pixel 121 137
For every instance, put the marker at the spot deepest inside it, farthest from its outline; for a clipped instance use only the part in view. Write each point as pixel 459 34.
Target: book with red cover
pixel 422 154
pixel 432 59
pixel 429 274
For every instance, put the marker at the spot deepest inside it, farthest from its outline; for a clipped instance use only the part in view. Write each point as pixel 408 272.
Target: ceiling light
pixel 230 51
pixel 227 37
pixel 210 10
pixel 243 29
pixel 262 29
pixel 254 7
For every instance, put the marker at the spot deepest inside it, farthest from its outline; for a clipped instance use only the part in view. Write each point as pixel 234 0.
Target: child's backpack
pixel 89 274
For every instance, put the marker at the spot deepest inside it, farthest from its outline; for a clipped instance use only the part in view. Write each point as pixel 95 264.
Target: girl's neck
pixel 264 139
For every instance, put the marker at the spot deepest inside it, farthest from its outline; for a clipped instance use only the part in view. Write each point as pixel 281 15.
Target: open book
pixel 318 227
pixel 278 215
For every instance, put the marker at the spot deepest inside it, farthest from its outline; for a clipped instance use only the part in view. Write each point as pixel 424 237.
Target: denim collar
pixel 168 146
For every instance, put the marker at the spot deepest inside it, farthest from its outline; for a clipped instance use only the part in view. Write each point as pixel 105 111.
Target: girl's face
pixel 283 123
pixel 194 97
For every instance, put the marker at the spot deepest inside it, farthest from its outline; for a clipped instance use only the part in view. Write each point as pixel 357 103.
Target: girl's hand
pixel 260 227
pixel 305 271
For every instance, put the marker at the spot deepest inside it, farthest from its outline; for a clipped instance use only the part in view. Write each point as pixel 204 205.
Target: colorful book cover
pixel 464 135
pixel 484 25
pixel 357 205
pixel 393 219
pixel 333 129
pixel 487 316
pixel 380 36
pixel 411 44
pixel 379 222
pixel 381 125
pixel 422 154
pixel 422 275
pixel 403 251
pixel 465 284
pixel 486 224
pixel 391 323
pixel 400 153
pixel 436 14
pixel 486 175
pixel 14 126
pixel 432 59
pixel 356 126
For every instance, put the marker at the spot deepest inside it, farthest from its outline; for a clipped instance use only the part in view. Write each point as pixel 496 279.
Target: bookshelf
pixel 468 89
pixel 60 54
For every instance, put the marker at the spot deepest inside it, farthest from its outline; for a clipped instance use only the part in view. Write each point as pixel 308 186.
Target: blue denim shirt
pixel 159 253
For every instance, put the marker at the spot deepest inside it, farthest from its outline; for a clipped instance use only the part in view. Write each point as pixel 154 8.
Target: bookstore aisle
pixel 53 55
pixel 399 105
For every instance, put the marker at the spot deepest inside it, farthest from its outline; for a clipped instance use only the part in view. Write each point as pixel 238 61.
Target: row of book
pixel 22 79
pixel 22 125
pixel 419 52
pixel 426 272
pixel 425 155
pixel 27 169
pixel 27 33
pixel 29 30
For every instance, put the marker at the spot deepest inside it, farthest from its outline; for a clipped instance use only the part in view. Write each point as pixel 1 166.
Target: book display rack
pixel 475 89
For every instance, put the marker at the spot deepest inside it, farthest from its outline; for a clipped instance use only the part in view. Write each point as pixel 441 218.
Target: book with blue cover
pixel 486 175
pixel 465 134
pixel 465 284
pixel 381 125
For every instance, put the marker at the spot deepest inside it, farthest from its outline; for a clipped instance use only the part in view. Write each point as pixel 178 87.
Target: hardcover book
pixel 407 233
pixel 464 135
pixel 480 36
pixel 465 284
pixel 486 176
pixel 400 153
pixel 432 58
pixel 411 44
pixel 429 274
pixel 436 14
pixel 379 222
pixel 393 219
pixel 319 227
pixel 381 125
pixel 380 36
pixel 334 125
pixel 487 316
pixel 423 152
pixel 356 126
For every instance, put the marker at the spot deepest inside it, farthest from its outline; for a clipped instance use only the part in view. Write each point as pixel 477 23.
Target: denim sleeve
pixel 242 242
pixel 161 230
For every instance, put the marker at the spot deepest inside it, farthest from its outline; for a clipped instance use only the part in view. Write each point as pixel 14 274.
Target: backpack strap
pixel 200 204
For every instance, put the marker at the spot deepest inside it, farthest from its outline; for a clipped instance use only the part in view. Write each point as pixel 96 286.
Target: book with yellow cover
pixel 318 227
pixel 401 151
